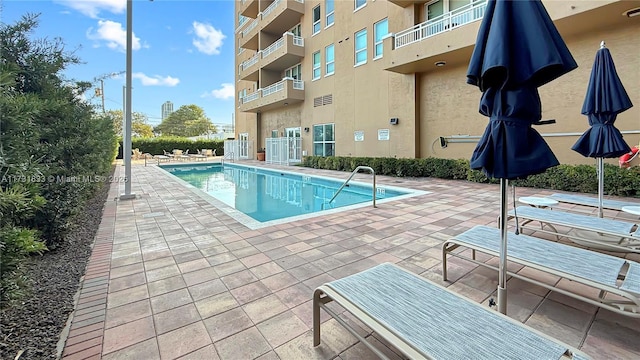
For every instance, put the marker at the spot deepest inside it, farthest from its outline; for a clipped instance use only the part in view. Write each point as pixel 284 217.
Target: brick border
pixel 82 337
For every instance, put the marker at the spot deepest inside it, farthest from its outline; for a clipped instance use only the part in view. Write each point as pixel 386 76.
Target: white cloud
pixel 208 39
pixel 226 91
pixel 92 8
pixel 156 80
pixel 113 34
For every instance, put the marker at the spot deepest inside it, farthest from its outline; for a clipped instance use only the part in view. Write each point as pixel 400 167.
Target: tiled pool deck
pixel 171 276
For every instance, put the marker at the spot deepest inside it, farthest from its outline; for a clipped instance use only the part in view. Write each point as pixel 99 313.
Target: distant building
pixel 167 109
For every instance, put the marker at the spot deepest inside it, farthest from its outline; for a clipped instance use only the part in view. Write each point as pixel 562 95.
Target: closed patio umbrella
pixel 605 99
pixel 517 50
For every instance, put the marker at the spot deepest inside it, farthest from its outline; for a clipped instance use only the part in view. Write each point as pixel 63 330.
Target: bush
pixel 157 145
pixel 576 178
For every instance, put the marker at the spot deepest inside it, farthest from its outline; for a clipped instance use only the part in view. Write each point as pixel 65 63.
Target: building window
pixel 296 30
pixel 360 3
pixel 316 65
pixel 329 58
pixel 380 31
pixel 361 47
pixel 274 133
pixel 324 142
pixel 329 9
pixel 294 72
pixel 316 19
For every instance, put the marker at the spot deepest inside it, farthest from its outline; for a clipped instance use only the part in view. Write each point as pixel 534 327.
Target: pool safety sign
pixel 358 135
pixel 383 134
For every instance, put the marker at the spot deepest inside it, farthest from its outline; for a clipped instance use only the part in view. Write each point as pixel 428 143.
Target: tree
pixel 139 123
pixel 187 121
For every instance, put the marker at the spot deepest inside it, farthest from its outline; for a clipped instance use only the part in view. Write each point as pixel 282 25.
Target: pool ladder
pixel 373 174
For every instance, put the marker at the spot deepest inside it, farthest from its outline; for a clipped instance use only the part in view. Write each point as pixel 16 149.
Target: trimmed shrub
pixel 157 145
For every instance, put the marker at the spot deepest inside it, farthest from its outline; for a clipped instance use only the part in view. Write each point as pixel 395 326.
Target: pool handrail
pixel 361 167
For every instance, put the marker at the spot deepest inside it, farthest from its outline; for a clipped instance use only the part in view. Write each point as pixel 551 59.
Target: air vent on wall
pixel 317 101
pixel 327 99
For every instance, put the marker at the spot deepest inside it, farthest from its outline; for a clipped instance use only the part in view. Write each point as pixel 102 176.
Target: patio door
pixel 294 141
pixel 243 147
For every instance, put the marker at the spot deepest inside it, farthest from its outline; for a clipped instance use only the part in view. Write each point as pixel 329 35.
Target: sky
pixel 183 51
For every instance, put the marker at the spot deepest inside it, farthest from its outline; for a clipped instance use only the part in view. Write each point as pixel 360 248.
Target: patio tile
pixel 159 263
pixel 199 276
pixel 228 267
pixel 127 282
pixel 206 353
pixel 193 265
pixel 306 271
pixel 282 328
pixel 266 270
pixel 170 300
pixel 184 340
pixel 147 349
pixel 238 279
pixel 127 313
pixel 216 304
pixel 122 336
pixel 175 318
pixel 188 256
pixel 279 281
pixel 264 308
pixel 127 296
pixel 609 340
pixel 247 344
pixel 255 260
pixel 250 292
pixel 227 323
pixel 206 289
pixel 166 285
pixel 295 295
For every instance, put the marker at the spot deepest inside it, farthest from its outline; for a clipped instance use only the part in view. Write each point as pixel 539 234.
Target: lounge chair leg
pixel 316 317
pixel 444 262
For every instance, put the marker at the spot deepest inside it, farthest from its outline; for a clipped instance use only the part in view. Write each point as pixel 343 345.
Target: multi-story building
pixel 167 109
pixel 388 78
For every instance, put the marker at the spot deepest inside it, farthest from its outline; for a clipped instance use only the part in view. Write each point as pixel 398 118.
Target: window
pixel 361 47
pixel 316 19
pixel 329 58
pixel 324 143
pixel 435 9
pixel 294 72
pixel 360 3
pixel 380 30
pixel 328 4
pixel 296 30
pixel 274 133
pixel 316 65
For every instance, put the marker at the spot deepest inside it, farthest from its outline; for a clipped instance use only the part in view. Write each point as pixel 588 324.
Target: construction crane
pixel 100 91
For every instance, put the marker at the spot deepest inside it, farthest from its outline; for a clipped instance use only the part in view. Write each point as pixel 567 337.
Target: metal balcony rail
pixel 440 24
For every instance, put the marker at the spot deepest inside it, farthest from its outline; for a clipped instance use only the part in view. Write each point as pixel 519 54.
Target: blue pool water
pixel 267 195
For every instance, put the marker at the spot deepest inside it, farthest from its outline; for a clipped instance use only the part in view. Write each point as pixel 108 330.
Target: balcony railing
pixel 251 97
pixel 270 8
pixel 271 89
pixel 442 23
pixel 250 27
pixel 273 47
pixel 250 62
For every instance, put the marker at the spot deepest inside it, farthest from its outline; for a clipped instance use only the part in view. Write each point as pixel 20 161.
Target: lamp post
pixel 126 141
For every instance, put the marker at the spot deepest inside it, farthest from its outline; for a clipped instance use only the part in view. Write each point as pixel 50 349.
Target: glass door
pixel 243 147
pixel 294 141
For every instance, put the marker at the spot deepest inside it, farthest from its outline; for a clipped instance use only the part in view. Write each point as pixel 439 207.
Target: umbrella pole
pixel 502 268
pixel 600 165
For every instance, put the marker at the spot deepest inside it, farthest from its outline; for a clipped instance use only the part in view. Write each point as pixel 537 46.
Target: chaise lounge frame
pixel 609 234
pixel 590 201
pixel 424 320
pixel 606 273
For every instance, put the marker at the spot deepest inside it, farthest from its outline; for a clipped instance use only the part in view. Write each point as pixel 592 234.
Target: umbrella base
pixel 502 300
pixel 600 241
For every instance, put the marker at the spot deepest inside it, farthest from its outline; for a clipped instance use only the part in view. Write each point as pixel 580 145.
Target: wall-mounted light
pixel 285 104
pixel 440 63
pixel 393 121
pixel 306 129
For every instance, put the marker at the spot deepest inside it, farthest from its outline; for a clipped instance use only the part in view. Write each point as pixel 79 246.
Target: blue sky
pixel 183 50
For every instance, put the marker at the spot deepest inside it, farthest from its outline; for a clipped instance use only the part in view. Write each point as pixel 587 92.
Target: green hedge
pixel 156 146
pixel 575 178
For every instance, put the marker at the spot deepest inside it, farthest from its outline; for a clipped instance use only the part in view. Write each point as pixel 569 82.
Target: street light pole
pixel 126 151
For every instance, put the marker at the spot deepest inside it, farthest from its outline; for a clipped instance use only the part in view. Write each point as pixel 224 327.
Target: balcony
pixel 282 15
pixel 249 35
pixel 284 53
pixel 283 93
pixel 406 3
pixel 249 8
pixel 452 33
pixel 249 68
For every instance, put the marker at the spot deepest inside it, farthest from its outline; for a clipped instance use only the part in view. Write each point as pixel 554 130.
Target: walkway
pixel 171 276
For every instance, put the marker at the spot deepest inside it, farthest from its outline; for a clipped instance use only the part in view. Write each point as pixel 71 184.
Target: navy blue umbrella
pixel 605 99
pixel 518 49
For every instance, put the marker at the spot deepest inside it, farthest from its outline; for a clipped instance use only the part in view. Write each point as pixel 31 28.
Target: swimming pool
pixel 267 195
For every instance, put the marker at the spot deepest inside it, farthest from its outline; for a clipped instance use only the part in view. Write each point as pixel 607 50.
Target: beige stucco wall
pixel 450 106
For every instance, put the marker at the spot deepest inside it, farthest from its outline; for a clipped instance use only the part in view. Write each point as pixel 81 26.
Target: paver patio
pixel 172 276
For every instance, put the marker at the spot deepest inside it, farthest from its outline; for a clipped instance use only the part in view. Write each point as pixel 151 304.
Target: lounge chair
pixel 198 156
pixel 591 201
pixel 603 272
pixel 609 234
pixel 424 320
